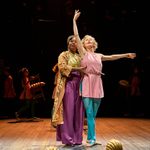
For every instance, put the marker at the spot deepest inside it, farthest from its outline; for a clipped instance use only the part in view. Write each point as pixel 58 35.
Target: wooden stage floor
pixel 133 133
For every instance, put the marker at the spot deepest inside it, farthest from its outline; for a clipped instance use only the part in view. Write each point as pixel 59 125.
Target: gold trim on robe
pixel 66 61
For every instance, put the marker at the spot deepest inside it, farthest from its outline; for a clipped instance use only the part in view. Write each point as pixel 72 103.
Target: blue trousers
pixel 91 106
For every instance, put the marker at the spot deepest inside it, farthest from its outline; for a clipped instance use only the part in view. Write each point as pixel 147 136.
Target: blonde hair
pixel 95 44
pixel 114 144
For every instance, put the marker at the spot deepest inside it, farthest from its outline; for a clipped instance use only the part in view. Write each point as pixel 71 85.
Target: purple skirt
pixel 73 113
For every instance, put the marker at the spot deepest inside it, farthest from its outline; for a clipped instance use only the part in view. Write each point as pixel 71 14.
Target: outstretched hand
pixel 76 15
pixel 131 55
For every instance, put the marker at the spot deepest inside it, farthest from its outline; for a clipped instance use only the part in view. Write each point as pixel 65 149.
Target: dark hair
pixel 69 38
pixel 24 70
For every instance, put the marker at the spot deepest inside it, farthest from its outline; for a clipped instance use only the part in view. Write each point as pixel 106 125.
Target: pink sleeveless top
pixel 92 85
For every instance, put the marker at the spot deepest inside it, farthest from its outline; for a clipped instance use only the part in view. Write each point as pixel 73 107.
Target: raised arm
pixel 80 47
pixel 118 56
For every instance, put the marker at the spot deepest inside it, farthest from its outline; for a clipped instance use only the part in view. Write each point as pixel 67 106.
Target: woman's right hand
pixel 76 15
pixel 82 68
pixel 79 68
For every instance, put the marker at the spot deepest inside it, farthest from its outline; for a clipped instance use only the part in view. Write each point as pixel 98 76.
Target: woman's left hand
pixel 131 55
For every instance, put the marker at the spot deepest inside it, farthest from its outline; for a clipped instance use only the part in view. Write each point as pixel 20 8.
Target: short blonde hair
pixel 95 44
pixel 114 144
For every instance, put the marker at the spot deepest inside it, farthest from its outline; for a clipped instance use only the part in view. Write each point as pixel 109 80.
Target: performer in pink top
pixel 92 86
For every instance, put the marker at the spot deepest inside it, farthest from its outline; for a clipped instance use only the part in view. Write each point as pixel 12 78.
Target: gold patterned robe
pixel 66 61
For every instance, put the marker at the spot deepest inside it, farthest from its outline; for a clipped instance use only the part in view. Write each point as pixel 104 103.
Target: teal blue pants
pixel 91 106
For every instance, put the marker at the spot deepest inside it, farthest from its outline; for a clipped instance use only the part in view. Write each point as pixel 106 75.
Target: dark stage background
pixel 34 32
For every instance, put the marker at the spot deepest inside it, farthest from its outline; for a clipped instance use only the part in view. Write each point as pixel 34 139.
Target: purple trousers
pixel 73 113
